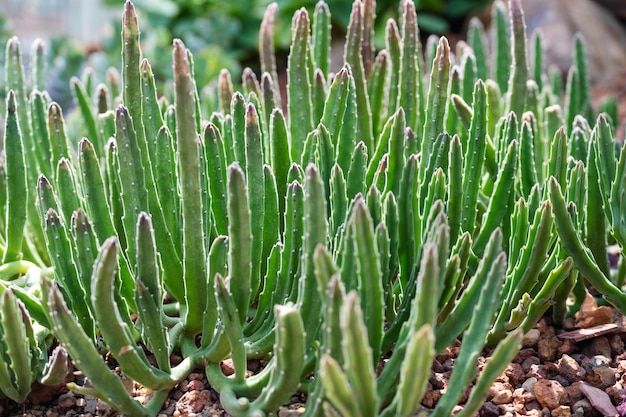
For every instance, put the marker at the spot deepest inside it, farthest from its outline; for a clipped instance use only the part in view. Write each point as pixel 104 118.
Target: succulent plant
pixel 401 204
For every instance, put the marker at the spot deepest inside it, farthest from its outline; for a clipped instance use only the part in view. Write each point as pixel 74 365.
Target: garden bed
pixel 555 374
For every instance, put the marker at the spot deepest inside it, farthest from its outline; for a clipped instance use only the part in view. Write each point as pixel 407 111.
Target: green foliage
pixel 224 34
pixel 208 224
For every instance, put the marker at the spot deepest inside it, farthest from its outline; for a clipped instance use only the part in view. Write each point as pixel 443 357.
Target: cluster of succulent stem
pixel 345 236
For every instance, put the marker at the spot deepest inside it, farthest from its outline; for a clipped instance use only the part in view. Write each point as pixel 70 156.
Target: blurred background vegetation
pixel 221 34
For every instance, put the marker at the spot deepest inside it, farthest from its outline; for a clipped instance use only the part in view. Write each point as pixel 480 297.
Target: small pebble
pixel 561 411
pixel 526 353
pixel 91 404
pixel 528 384
pixel 583 405
pixel 569 323
pixel 502 397
pixel 66 401
pixel 574 393
pixel 532 405
pixel 195 376
pixel 195 385
pixel 549 393
pixel 227 367
pixel 570 369
pixel 529 362
pixel 544 371
pixel 524 396
pixel 193 402
pixel 548 348
pixel 601 376
pixel 600 346
pixel 600 360
pixel 531 338
pixel 561 379
pixel 515 373
pixel 617 344
pixel 489 409
pixel 438 380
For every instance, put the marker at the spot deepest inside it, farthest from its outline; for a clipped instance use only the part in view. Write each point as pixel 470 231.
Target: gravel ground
pixel 577 369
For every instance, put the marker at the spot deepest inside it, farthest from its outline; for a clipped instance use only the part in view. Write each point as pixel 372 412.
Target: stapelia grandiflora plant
pixel 410 199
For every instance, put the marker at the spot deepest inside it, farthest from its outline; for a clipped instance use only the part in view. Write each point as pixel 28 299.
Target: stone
pixel 601 376
pixel 590 332
pixel 569 323
pixel 498 386
pixel 617 344
pixel 573 392
pixel 175 359
pixel 531 338
pixel 528 385
pixel 439 380
pixel 103 409
pixel 254 365
pixel 548 348
pixel 616 393
pixel 450 352
pixel 545 371
pixel 523 396
pixel 448 364
pixel 529 362
pixel 502 397
pixel 514 408
pixel 196 376
pixel 184 386
pixel 286 412
pixel 514 373
pixel 436 366
pixel 91 404
pixel 570 369
pixel 600 360
pixel 621 408
pixel 41 394
pixel 591 315
pixel 561 411
pixel 227 366
pixel 526 353
pixel 456 409
pixel 488 410
pixel 66 401
pixel 431 398
pixel 599 400
pixel 195 385
pixel 568 346
pixel 549 393
pixel 600 346
pixel 532 405
pixel 562 380
pixel 193 402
